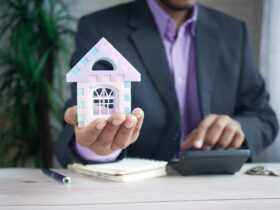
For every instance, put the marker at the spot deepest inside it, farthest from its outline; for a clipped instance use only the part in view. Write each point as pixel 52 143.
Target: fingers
pixel 123 137
pixel 196 138
pixel 89 134
pixel 190 142
pixel 129 130
pixel 105 139
pixel 237 140
pixel 70 116
pixel 119 132
pixel 139 114
pixel 227 135
pixel 215 130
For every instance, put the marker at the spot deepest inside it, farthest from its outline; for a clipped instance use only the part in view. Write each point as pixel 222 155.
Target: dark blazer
pixel 228 79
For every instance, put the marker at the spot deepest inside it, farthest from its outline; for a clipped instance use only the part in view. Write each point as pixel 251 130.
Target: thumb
pixel 70 116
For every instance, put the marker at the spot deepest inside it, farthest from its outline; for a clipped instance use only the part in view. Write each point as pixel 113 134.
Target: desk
pixel 29 189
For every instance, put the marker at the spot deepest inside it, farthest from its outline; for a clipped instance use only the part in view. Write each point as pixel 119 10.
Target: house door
pixel 104 101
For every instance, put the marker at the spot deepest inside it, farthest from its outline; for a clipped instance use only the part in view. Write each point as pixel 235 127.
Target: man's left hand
pixel 219 131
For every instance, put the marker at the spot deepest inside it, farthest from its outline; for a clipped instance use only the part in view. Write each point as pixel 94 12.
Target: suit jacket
pixel 228 79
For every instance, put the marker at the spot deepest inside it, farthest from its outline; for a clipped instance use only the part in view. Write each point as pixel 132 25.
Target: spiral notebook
pixel 125 170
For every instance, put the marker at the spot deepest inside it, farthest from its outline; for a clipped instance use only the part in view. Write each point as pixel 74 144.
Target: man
pixel 200 86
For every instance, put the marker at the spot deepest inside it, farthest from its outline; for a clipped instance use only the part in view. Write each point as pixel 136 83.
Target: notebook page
pixel 126 166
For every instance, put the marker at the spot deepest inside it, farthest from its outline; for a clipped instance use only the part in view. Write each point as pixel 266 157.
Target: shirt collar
pixel 166 25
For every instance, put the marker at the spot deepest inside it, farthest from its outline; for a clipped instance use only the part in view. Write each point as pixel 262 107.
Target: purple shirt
pixel 180 52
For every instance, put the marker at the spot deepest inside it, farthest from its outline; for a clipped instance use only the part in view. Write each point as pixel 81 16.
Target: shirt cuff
pixel 89 155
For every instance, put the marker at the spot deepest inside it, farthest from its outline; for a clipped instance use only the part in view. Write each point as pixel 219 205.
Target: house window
pixel 104 101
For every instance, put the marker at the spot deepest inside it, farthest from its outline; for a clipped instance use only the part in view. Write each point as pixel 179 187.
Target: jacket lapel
pixel 207 52
pixel 149 46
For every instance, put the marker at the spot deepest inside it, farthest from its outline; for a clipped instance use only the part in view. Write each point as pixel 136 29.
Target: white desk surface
pixel 29 189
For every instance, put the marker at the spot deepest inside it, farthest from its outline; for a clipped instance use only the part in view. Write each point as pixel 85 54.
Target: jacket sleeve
pixel 253 111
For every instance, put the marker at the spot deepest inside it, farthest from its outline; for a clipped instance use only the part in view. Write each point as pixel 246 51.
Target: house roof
pixel 103 50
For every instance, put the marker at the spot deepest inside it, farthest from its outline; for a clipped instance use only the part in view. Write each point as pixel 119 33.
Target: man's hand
pixel 105 136
pixel 218 131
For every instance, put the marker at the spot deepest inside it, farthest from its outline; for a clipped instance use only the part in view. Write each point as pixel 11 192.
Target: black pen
pixel 56 176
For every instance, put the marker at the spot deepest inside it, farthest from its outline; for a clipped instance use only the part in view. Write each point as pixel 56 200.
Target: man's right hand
pixel 106 136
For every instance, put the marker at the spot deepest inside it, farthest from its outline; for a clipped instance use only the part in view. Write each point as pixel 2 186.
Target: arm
pixel 253 111
pixel 64 147
pixel 253 125
pixel 101 137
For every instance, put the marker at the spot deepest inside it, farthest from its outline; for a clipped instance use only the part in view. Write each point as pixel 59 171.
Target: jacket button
pixel 176 136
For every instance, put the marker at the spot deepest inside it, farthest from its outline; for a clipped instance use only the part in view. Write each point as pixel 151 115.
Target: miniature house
pixel 101 93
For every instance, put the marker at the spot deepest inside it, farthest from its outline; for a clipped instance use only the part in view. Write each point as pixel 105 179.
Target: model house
pixel 102 92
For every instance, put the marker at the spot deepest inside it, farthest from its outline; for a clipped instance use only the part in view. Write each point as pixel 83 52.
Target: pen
pixel 56 176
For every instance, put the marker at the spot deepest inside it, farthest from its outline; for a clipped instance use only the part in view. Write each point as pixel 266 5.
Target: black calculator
pixel 210 162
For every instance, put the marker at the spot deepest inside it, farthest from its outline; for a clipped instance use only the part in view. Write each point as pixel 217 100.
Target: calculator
pixel 210 162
